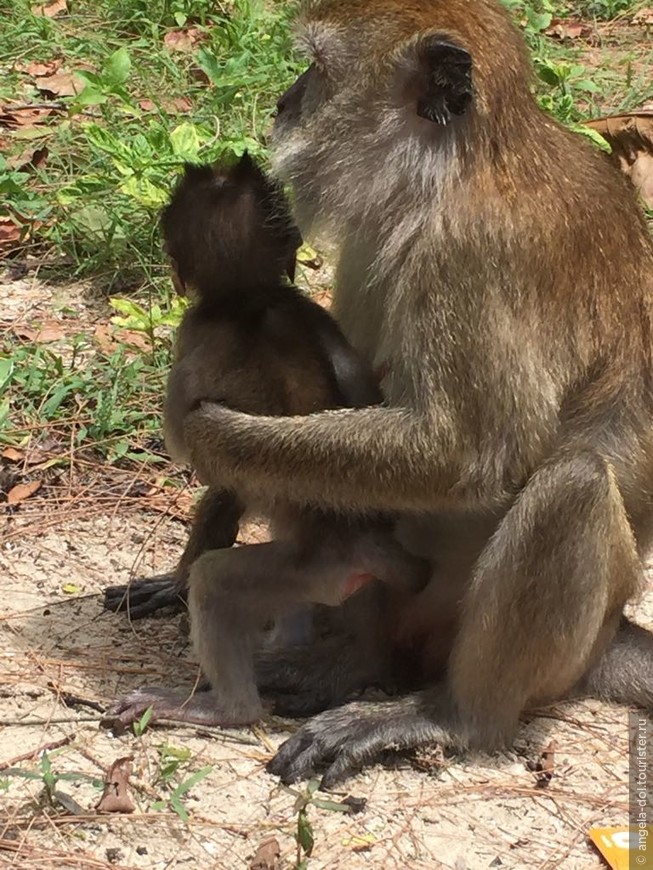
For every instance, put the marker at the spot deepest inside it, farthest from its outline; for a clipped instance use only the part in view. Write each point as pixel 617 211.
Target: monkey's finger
pixel 285 763
pixel 364 749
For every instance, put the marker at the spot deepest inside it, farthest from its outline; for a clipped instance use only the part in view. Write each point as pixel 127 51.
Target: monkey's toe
pixel 144 597
pixel 345 740
pixel 131 707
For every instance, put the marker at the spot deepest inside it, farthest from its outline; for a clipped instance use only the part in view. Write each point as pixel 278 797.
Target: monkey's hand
pixel 347 739
pixel 375 458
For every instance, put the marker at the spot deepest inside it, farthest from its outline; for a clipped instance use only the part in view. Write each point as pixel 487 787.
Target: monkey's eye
pixel 290 101
pixel 316 88
pixel 304 95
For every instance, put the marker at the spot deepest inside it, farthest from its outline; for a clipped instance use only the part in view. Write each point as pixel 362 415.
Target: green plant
pixel 140 726
pixel 110 400
pixel 171 759
pixel 604 9
pixel 49 777
pixel 304 834
pixel 175 800
pixel 144 109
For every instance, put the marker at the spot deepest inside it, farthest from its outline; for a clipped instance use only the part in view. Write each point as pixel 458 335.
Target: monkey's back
pixel 277 355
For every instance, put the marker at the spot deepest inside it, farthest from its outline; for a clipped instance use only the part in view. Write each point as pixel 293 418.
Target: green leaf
pixel 117 67
pixel 70 589
pixel 56 399
pixel 595 137
pixel 94 219
pixel 305 836
pixel 5 408
pixel 144 192
pixel 90 96
pixel 129 308
pixel 176 752
pixel 548 75
pixel 538 21
pixel 179 808
pixel 185 141
pixel 192 780
pixel 140 726
pixel 6 371
pixel 331 806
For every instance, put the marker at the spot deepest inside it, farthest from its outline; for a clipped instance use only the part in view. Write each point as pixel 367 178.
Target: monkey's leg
pixel 233 593
pixel 544 601
pixel 215 526
pixel 344 556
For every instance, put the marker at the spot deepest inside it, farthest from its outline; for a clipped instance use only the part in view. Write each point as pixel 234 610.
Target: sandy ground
pixel 474 813
pixel 60 548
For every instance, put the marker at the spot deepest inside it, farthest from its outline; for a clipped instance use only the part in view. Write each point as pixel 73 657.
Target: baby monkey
pixel 253 341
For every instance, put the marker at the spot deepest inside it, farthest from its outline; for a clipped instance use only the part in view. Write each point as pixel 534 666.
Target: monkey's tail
pixel 624 673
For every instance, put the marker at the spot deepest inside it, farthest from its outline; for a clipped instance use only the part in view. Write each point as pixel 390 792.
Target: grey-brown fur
pixel 257 344
pixel 478 264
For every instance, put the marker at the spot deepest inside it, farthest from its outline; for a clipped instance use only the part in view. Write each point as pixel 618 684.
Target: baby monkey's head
pixel 228 227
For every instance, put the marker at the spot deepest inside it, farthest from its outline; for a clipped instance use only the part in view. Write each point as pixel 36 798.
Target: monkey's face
pixel 392 88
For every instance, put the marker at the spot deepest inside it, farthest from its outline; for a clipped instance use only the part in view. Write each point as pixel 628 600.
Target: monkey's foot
pixel 144 597
pixel 351 737
pixel 203 708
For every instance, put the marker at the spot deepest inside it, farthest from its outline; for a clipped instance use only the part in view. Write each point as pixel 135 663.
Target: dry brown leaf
pixel 103 338
pixel 22 491
pixel 568 29
pixel 61 84
pixel 10 234
pixel 631 138
pixel 644 17
pixel 197 74
pixel 133 339
pixel 267 855
pixel 35 68
pixel 29 158
pixel 179 106
pixel 51 9
pixel 45 332
pixel 182 105
pixel 12 455
pixel 116 797
pixel 183 40
pixel 27 116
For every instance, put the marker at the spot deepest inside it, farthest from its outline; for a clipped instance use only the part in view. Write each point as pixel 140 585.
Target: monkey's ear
pixel 443 79
pixel 195 172
pixel 246 169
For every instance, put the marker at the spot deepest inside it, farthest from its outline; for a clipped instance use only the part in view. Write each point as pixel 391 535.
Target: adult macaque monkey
pixel 478 263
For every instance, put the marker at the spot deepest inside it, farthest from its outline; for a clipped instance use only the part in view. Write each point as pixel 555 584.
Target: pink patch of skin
pixel 356 582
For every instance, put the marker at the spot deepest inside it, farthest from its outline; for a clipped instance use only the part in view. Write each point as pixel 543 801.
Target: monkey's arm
pixel 370 459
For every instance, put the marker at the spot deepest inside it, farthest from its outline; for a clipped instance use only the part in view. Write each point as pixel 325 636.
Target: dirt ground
pixel 473 813
pixel 60 548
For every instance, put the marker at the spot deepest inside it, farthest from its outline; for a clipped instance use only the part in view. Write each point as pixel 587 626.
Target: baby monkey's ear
pixel 440 79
